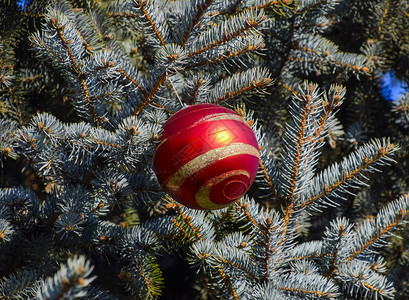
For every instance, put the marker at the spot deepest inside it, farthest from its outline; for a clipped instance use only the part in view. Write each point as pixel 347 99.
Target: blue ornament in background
pixel 392 87
pixel 23 3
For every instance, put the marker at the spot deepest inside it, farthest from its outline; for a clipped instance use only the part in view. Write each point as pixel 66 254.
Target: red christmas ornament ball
pixel 207 156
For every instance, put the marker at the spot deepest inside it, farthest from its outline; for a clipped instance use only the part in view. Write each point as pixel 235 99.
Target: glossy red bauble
pixel 207 156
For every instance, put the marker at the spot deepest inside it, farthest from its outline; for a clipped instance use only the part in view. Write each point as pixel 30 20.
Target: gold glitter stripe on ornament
pixel 203 195
pixel 221 116
pixel 206 159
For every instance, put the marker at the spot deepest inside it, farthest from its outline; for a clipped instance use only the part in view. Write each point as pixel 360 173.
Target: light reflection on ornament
pixel 223 137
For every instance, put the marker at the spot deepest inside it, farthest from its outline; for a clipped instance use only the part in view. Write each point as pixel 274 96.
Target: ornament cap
pixel 234 189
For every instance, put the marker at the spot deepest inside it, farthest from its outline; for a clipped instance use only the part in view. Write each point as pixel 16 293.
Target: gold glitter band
pixel 203 195
pixel 206 159
pixel 221 116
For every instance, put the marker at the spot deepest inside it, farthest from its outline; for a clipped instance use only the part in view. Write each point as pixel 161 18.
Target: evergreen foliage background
pixel 84 89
